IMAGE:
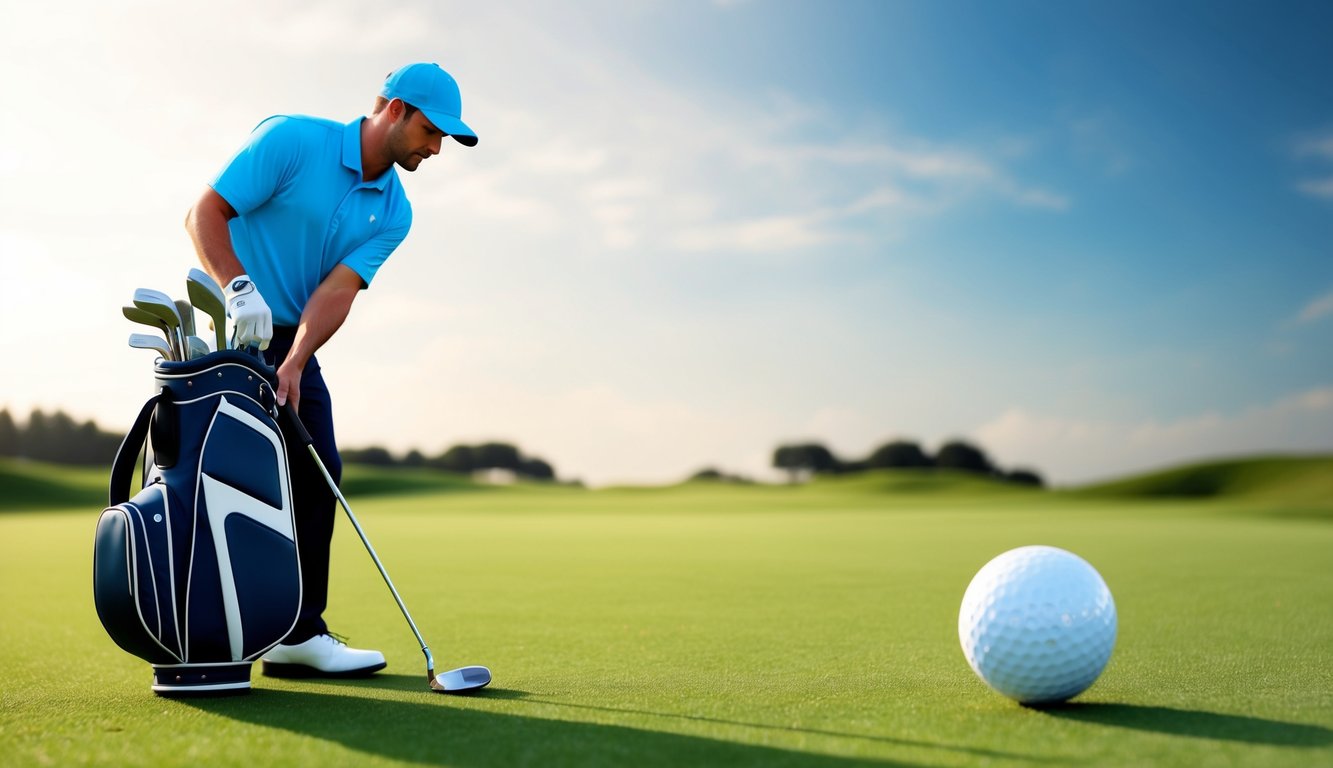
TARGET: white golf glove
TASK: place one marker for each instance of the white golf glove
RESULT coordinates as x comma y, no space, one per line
252,320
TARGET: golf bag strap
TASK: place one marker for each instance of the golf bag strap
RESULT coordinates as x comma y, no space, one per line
122,469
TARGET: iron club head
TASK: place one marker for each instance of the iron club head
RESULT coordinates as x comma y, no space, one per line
149,341
160,304
461,680
187,317
198,347
208,297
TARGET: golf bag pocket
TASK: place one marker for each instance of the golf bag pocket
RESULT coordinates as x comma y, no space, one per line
199,573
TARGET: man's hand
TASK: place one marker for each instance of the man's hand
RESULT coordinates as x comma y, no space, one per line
251,318
289,383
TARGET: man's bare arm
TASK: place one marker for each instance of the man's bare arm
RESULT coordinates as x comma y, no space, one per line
207,224
323,316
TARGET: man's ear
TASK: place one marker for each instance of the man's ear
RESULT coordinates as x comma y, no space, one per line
396,109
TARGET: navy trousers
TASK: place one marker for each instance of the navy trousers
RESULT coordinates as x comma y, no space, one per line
315,505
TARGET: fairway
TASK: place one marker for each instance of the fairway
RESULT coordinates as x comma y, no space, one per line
717,625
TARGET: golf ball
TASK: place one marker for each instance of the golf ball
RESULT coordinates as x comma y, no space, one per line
1037,624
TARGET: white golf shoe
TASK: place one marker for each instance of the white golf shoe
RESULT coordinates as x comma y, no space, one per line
321,656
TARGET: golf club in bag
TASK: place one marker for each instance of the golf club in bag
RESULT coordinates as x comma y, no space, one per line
198,574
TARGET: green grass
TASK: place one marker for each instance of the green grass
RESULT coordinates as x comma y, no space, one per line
708,624
28,485
1286,480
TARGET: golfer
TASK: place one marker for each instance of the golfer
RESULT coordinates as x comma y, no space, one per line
294,226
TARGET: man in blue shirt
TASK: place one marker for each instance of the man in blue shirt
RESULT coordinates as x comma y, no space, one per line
296,224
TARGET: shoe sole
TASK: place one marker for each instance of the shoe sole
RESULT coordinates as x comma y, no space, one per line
272,669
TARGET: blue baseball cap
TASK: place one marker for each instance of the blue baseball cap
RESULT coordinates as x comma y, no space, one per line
434,92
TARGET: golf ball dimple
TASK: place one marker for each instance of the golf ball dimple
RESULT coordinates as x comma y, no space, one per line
1037,624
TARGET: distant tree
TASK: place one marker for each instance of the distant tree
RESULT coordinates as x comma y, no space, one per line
496,456
36,436
899,454
809,457
457,459
714,475
9,434
963,456
536,469
414,458
1025,477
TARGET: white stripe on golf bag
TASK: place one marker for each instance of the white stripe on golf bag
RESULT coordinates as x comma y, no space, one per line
132,557
222,501
171,560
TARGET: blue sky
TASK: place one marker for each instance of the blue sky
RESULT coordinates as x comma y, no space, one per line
1092,237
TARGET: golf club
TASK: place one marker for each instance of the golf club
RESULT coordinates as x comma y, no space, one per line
136,315
461,680
187,317
198,347
149,341
160,304
207,296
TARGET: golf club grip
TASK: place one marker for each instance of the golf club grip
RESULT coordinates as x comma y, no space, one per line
296,422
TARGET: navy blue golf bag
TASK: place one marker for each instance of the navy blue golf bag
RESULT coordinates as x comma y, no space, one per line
198,574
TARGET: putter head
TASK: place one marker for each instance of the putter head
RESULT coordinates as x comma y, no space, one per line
461,680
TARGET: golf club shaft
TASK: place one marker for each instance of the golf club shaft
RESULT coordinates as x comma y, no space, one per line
333,486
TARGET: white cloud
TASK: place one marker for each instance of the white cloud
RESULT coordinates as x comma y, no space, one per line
1320,188
1320,147
1079,450
1317,309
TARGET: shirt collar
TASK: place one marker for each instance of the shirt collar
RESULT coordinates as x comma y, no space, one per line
352,155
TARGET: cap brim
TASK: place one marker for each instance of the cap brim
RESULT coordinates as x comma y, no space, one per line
452,126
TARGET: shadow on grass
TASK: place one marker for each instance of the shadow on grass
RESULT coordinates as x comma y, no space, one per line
442,730
987,753
1194,723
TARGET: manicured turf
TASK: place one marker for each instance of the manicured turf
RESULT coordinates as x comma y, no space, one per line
719,625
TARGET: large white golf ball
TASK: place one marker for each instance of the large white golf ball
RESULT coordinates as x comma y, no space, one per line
1037,624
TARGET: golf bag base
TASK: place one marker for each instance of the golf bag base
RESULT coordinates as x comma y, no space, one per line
180,680
198,573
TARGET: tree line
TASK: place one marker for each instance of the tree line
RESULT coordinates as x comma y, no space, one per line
60,439
814,458
460,459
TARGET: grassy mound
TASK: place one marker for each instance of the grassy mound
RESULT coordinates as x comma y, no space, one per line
361,480
31,485
1301,479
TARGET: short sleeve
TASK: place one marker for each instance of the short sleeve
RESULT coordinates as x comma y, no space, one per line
369,256
262,166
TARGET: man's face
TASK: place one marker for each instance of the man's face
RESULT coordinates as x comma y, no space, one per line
413,139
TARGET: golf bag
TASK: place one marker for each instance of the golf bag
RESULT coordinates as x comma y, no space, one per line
198,574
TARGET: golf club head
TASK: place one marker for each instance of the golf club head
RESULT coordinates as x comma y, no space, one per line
136,315
187,316
198,347
155,343
461,680
207,296
162,305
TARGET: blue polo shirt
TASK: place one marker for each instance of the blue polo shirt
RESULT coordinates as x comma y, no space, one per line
302,209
